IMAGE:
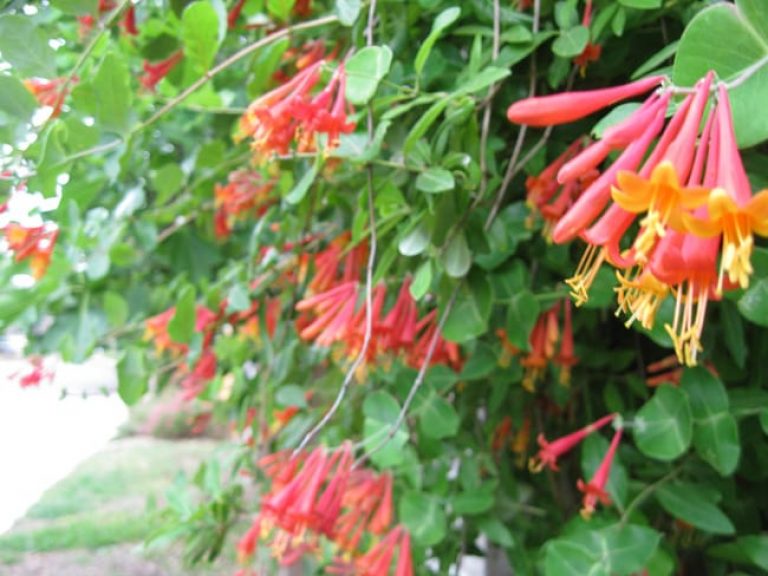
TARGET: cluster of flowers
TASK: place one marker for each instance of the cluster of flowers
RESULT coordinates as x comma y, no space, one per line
193,380
685,175
594,491
319,497
291,114
332,313
544,349
33,243
245,194
128,22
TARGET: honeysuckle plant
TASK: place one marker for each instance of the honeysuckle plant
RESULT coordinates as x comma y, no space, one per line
458,277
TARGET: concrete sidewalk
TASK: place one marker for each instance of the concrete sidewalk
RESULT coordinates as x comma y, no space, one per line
42,437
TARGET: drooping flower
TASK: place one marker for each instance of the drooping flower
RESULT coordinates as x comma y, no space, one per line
732,211
156,329
154,72
549,452
378,560
594,490
128,23
592,51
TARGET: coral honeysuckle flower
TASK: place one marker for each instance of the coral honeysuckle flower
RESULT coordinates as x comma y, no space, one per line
687,263
594,199
566,357
664,199
594,490
234,14
570,106
35,373
549,452
245,192
542,342
128,22
35,244
732,211
48,92
333,310
154,72
378,560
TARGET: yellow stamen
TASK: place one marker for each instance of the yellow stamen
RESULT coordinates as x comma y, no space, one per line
582,279
641,295
688,323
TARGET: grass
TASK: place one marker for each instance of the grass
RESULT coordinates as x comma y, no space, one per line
103,501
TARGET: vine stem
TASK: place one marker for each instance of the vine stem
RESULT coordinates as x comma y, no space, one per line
417,383
85,54
202,81
486,126
647,491
372,243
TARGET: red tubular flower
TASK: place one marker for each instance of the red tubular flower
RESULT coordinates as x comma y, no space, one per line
444,352
204,371
542,344
48,92
234,14
129,22
333,311
566,357
153,73
570,106
549,452
245,193
35,244
378,560
594,490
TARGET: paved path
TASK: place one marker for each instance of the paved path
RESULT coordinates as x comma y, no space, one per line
42,437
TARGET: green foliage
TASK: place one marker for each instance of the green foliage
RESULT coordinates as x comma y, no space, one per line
190,202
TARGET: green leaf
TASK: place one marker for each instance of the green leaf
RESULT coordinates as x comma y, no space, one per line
116,309
571,42
76,7
25,47
438,418
496,532
441,22
424,517
381,406
469,316
733,332
15,99
435,180
483,79
131,376
734,39
751,550
182,325
422,280
167,181
614,550
302,187
415,242
348,11
715,433
474,502
693,504
423,124
522,314
108,96
200,35
281,9
364,72
641,4
457,259
664,425
238,299
753,305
